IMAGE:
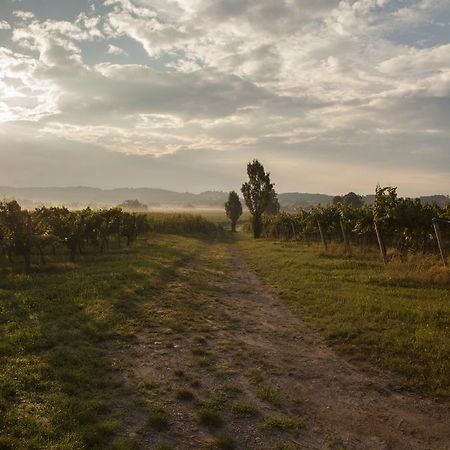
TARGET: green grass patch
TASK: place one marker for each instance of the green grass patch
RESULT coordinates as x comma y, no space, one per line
269,395
394,317
57,326
242,409
284,424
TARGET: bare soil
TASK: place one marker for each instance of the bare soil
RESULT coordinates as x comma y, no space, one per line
241,341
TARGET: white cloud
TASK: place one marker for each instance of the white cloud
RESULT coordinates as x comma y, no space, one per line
322,80
113,50
4,25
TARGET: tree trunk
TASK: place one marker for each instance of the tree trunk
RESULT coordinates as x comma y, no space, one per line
41,253
257,226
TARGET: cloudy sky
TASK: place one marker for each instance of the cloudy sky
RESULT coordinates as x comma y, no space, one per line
330,95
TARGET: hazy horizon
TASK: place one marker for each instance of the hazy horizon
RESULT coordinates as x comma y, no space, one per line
237,189
331,96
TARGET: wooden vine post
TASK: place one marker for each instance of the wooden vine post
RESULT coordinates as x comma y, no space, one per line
348,249
381,243
322,237
294,234
437,232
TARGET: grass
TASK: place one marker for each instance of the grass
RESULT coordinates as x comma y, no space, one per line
269,395
56,389
182,223
396,317
242,409
209,417
284,424
185,395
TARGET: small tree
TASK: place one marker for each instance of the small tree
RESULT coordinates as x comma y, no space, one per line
337,199
353,200
233,208
257,193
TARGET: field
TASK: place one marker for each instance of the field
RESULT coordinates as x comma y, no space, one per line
220,341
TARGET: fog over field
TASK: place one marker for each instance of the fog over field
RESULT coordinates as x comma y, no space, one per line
331,96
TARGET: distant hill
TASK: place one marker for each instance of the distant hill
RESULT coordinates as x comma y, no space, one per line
292,200
83,196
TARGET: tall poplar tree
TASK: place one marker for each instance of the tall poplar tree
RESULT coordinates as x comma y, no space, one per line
257,193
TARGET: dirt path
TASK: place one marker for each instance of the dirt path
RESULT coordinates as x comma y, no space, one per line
228,366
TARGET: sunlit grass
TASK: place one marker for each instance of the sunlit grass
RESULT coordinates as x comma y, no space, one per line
397,317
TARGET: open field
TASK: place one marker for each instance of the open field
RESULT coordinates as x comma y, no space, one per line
217,216
176,343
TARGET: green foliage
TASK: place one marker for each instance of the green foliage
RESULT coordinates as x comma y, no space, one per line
351,199
273,206
233,209
17,232
284,424
23,232
242,409
269,395
257,194
405,224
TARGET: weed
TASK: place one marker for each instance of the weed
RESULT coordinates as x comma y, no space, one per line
209,418
284,424
184,395
255,376
269,395
242,409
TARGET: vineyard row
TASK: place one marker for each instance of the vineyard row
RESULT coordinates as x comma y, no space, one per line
402,224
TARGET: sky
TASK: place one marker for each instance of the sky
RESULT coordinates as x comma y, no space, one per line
331,96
